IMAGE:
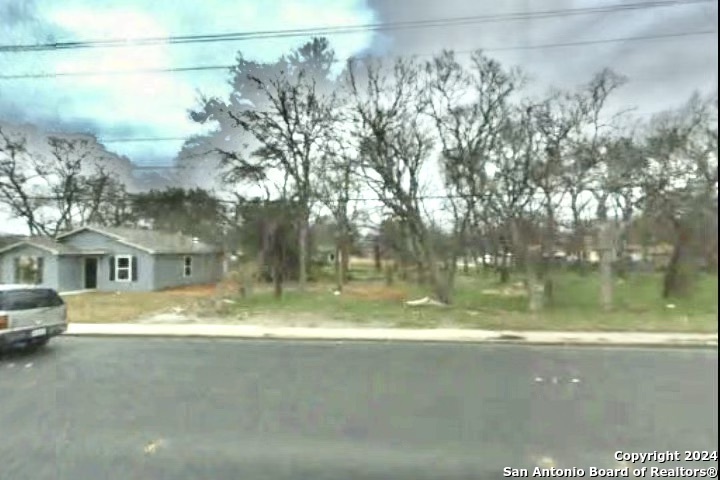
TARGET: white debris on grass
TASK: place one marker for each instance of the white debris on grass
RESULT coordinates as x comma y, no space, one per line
167,317
152,447
423,302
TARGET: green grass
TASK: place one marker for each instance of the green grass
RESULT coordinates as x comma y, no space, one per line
480,302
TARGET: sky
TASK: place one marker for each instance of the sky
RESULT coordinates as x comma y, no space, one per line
143,105
662,72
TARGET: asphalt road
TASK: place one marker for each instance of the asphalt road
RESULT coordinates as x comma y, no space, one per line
90,408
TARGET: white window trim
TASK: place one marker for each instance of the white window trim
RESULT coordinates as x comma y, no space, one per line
185,266
35,259
118,268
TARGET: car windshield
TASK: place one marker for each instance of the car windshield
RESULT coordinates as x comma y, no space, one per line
29,299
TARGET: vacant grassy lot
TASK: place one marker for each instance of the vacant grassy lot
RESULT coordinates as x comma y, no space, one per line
480,302
128,307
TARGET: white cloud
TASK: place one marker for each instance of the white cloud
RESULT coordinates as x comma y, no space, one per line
110,23
154,104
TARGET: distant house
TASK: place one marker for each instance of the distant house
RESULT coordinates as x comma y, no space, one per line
111,259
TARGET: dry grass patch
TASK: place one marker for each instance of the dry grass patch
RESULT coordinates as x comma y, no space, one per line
377,292
119,307
192,290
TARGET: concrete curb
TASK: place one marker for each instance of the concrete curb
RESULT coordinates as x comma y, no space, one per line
75,292
396,334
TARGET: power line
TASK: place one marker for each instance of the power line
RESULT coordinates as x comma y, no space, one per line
142,139
579,43
47,198
359,28
174,139
536,196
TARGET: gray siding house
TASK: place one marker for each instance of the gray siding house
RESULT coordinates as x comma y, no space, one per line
111,259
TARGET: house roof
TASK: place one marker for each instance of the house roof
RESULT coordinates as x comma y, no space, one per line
44,243
151,241
9,239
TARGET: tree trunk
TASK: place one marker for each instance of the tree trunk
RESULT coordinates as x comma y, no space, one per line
621,235
440,281
534,284
504,262
261,256
548,255
441,284
479,264
277,280
519,246
607,254
504,269
278,264
606,250
245,280
536,301
389,274
679,276
303,254
529,261
339,279
578,237
403,269
377,257
421,277
345,259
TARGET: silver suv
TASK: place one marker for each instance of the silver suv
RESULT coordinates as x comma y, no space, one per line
30,315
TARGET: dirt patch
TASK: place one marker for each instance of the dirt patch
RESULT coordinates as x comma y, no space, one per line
376,292
107,307
278,319
505,292
195,290
306,319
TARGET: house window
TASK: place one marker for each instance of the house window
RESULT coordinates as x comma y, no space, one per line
187,266
29,270
123,268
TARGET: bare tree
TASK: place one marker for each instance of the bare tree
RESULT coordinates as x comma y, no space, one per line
286,108
16,178
55,183
62,173
680,181
395,144
339,189
468,107
105,200
554,120
607,159
512,191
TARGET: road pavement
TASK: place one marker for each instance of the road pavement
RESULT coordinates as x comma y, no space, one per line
149,408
